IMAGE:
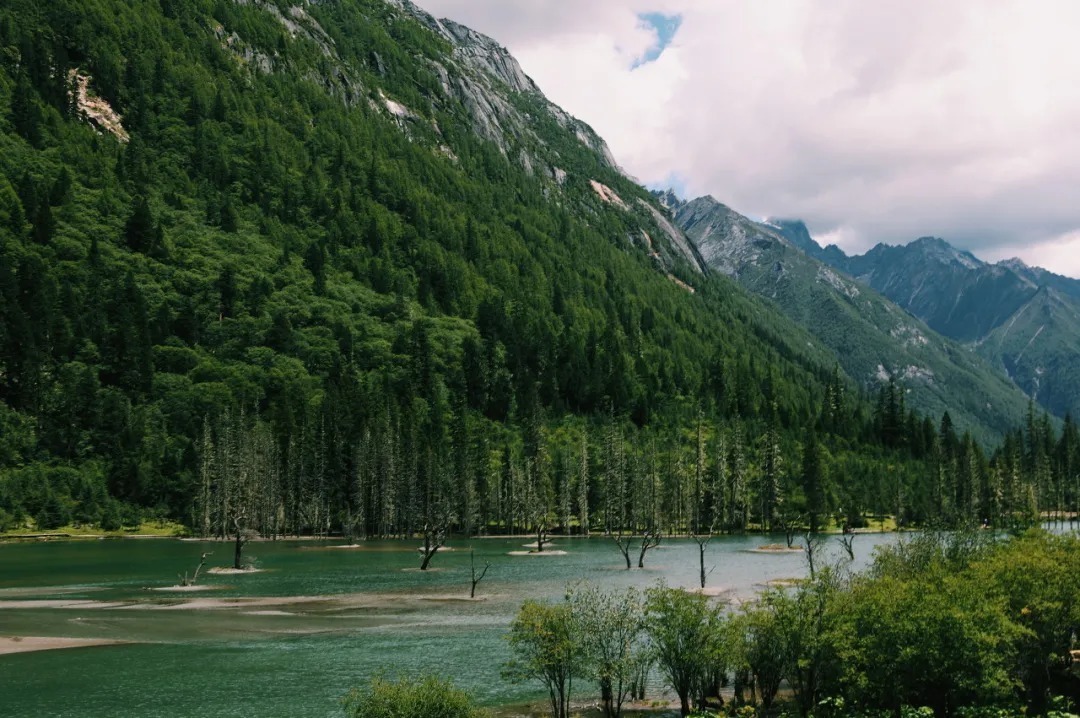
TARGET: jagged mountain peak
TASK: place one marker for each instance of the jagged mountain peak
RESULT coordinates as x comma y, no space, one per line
938,249
1015,264
669,199
796,232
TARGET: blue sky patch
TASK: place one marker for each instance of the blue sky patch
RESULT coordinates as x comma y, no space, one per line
665,27
674,181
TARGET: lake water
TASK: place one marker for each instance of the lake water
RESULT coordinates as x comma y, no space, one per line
316,621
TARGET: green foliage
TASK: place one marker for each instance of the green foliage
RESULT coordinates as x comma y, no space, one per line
686,630
546,646
1038,578
428,697
614,651
903,643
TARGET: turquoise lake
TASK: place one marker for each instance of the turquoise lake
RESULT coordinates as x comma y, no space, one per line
317,619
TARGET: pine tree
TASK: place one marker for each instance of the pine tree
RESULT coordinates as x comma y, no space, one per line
140,232
583,486
814,482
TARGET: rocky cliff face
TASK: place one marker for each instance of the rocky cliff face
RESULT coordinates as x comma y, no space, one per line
480,75
873,339
728,242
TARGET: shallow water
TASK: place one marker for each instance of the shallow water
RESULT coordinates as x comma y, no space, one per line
315,622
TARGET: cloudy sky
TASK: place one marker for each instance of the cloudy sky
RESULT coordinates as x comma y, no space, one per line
873,121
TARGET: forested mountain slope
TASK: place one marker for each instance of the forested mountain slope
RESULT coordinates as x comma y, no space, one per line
336,266
874,340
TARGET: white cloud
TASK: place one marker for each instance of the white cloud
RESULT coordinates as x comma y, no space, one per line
878,121
1061,254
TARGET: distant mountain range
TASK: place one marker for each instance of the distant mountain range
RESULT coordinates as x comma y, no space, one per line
1023,320
913,318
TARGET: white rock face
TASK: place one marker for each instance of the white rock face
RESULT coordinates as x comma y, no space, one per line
834,280
677,238
909,335
724,239
396,108
95,109
607,194
486,74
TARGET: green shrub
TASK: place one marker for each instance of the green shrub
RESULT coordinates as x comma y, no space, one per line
429,697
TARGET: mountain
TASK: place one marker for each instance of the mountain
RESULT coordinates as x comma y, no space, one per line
1023,320
873,338
341,266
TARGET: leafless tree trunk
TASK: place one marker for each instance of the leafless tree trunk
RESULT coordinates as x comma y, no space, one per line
583,487
185,581
206,477
847,541
541,535
565,500
790,523
241,538
623,542
476,579
649,540
434,538
813,544
702,543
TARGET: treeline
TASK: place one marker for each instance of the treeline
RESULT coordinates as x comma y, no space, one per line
431,464
954,624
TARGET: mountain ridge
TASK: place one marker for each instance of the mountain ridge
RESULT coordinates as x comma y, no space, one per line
874,339
988,307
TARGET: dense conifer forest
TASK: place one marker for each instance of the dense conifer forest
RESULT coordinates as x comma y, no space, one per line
238,292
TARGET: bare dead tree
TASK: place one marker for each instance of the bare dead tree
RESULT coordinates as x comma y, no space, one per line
185,581
701,530
476,579
241,535
649,540
541,535
434,538
813,544
702,541
790,522
848,541
623,541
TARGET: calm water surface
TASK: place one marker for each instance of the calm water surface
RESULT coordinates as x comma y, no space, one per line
328,618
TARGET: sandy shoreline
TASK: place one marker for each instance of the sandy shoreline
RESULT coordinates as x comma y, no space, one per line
26,644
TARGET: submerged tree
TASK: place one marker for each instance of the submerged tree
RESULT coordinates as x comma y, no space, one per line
434,537
476,579
192,580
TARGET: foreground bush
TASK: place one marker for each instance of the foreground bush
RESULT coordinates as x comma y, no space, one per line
428,697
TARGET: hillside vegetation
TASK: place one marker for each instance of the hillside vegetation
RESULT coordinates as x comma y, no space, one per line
276,268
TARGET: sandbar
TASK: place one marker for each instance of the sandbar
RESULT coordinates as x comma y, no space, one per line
26,644
536,553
